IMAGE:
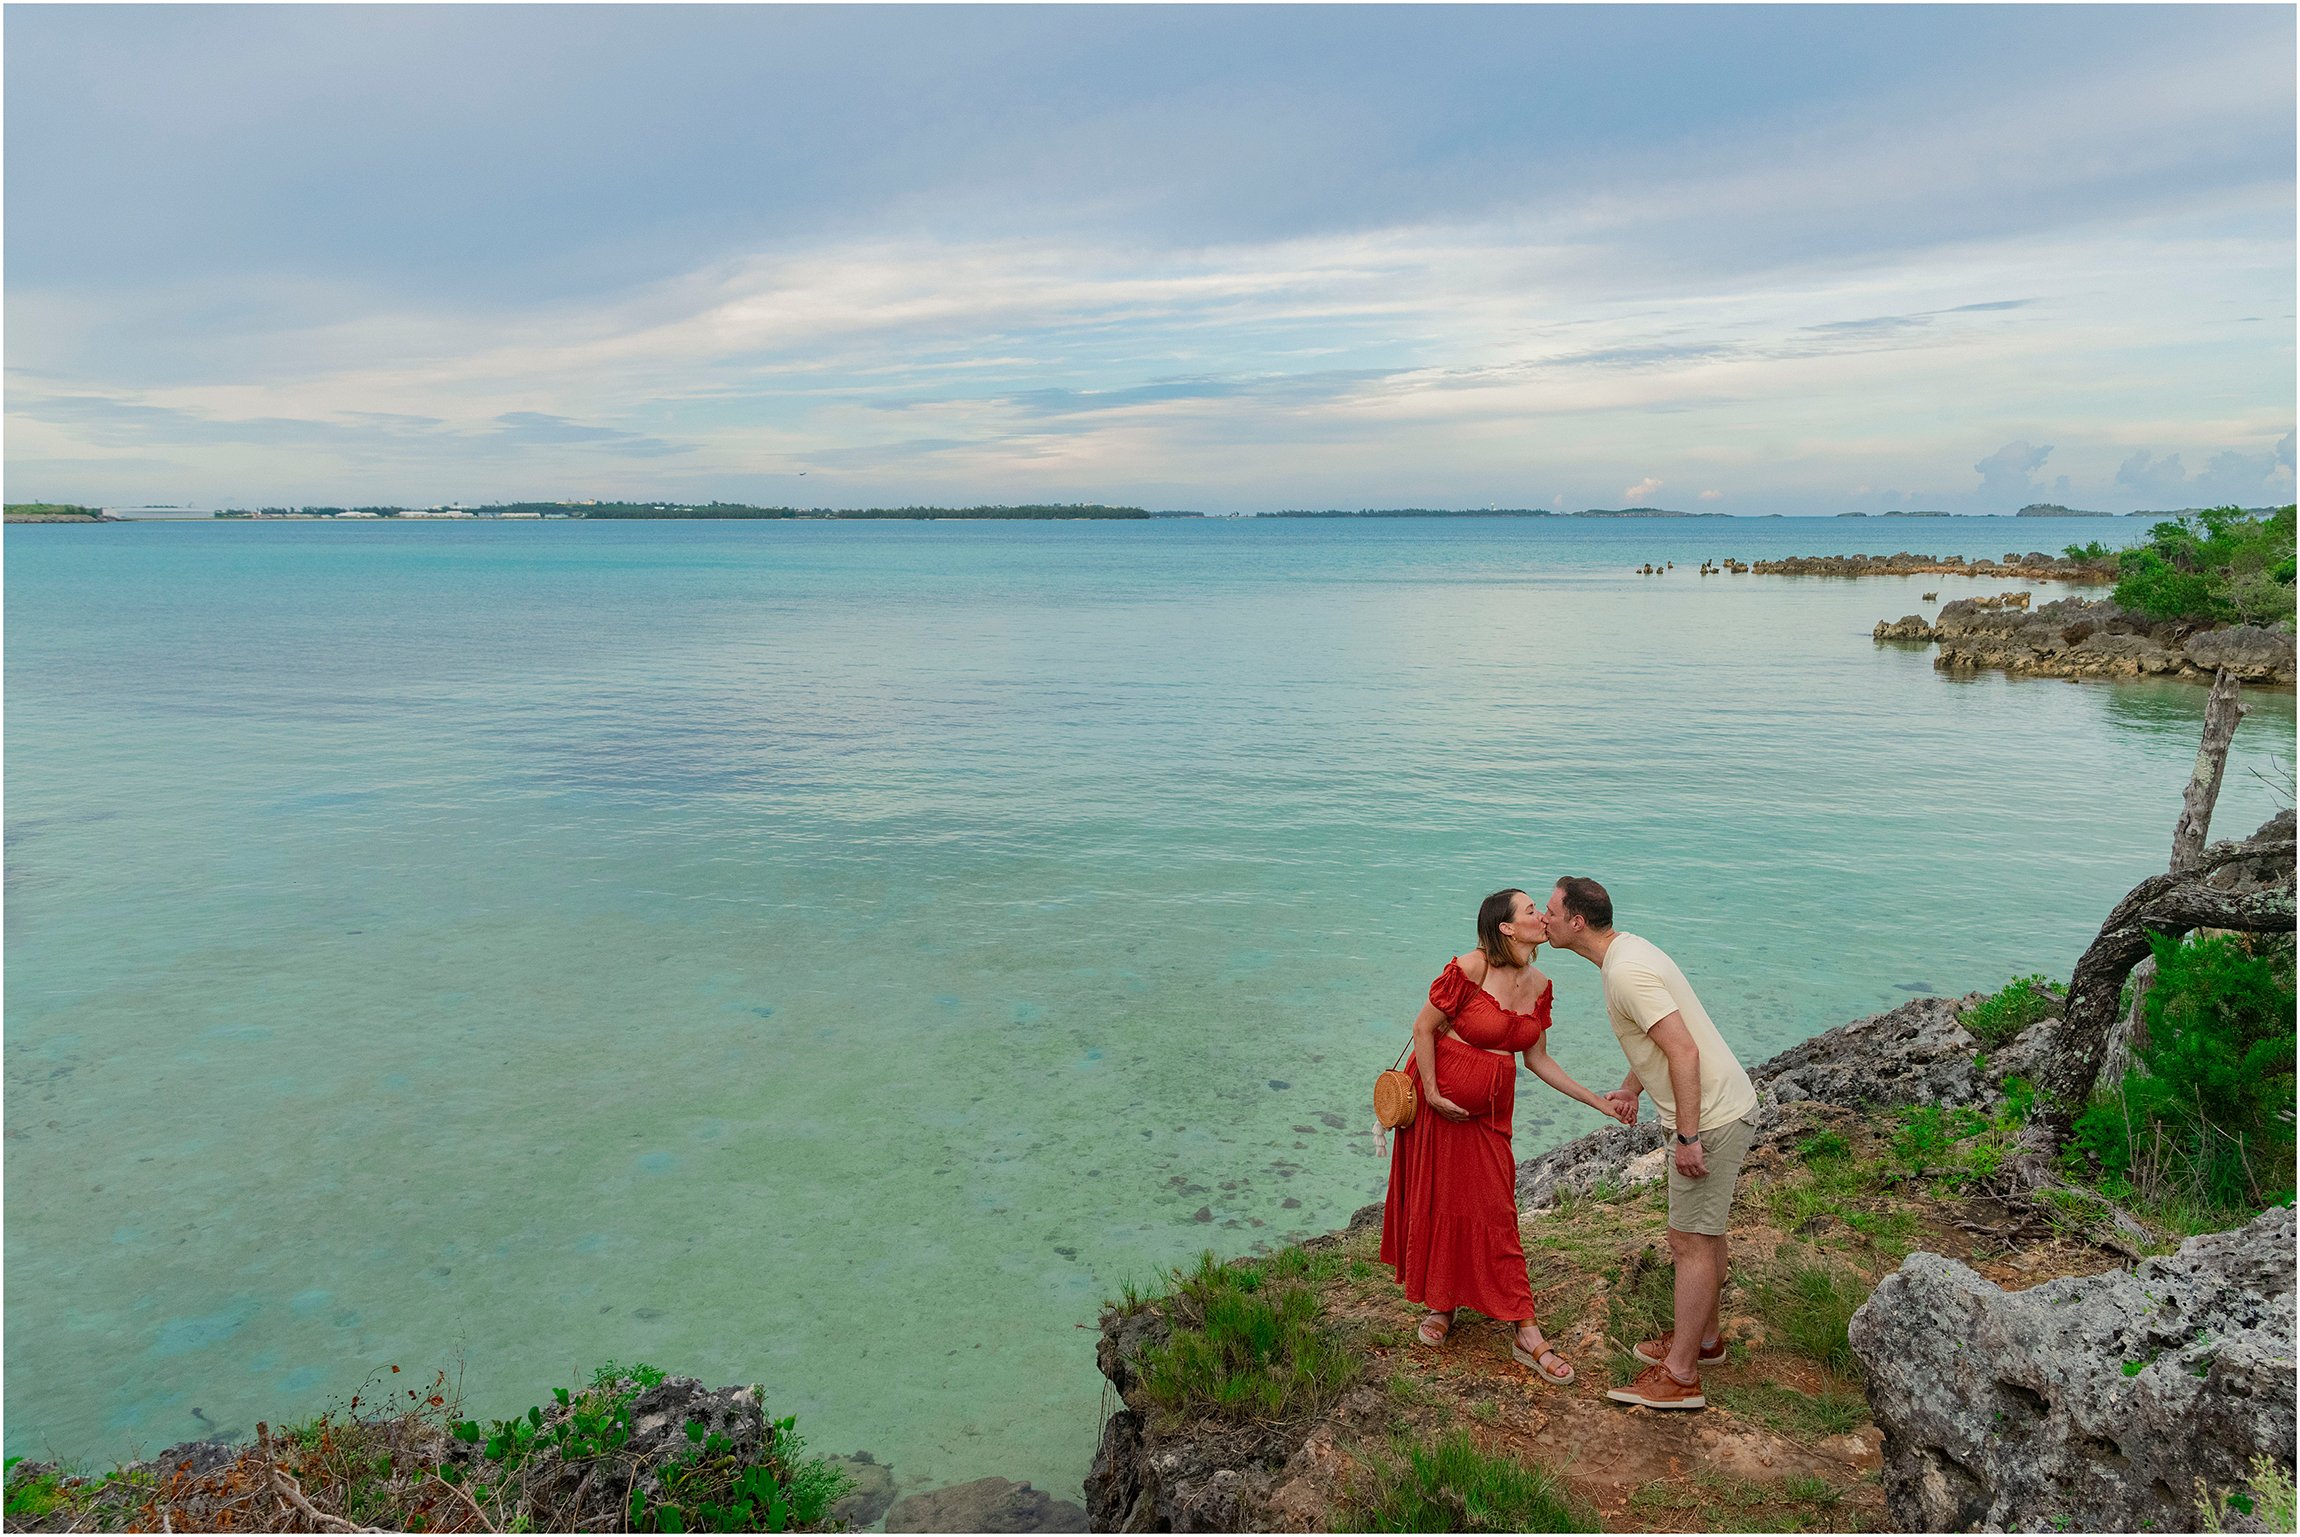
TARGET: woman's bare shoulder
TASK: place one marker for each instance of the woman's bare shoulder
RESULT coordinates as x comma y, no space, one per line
1473,966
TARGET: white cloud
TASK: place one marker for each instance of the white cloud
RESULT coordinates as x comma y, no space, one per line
1635,495
1712,496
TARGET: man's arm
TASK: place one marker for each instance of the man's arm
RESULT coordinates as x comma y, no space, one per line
1676,1043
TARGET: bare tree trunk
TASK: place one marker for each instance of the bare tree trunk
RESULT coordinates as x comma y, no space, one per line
2222,712
2170,904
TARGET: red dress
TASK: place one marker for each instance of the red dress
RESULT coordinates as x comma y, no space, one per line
1450,1223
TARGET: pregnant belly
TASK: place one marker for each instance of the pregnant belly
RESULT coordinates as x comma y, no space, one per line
1470,1077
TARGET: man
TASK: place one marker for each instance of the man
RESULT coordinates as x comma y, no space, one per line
1705,1099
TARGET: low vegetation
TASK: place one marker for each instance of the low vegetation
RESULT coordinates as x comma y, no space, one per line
2221,565
1251,1341
1715,1502
2019,1004
406,1460
1446,1483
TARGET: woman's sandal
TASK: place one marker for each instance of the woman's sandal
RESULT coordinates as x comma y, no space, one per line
1534,1358
1444,1325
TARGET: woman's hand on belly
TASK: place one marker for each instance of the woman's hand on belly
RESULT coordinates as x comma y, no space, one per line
1447,1108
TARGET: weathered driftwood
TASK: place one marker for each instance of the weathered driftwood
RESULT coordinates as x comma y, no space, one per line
2171,904
2222,712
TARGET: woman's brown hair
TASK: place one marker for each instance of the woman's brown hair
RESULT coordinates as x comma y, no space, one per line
1492,913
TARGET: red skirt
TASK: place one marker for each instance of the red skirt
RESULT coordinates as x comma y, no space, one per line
1449,1226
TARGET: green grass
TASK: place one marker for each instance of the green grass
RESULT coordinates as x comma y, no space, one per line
1715,1502
1808,1305
1831,1184
1642,1303
1785,1411
1448,1485
2019,1004
37,1497
1250,1341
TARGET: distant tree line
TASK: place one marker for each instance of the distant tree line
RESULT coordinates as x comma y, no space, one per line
743,510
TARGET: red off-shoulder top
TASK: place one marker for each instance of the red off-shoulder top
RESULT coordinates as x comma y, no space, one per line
1480,1020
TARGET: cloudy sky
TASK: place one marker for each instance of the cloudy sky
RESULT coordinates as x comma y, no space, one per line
1737,259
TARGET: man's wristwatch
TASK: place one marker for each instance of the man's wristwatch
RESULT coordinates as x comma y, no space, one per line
1685,1141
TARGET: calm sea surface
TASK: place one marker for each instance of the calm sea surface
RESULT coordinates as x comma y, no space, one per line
837,956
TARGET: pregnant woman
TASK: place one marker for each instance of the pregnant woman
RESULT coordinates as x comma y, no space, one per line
1450,1223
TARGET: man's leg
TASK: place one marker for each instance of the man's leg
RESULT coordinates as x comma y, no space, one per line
1709,1334
1700,1271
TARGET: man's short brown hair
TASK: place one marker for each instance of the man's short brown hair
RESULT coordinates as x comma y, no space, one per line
1585,899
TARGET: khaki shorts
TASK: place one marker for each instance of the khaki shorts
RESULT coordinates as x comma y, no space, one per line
1705,1205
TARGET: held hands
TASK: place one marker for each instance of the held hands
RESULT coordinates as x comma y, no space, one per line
1621,1104
1692,1159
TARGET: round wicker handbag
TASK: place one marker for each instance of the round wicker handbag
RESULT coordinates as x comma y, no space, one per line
1394,1097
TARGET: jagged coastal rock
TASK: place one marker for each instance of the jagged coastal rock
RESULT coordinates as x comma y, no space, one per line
985,1505
2035,566
2091,638
2093,1403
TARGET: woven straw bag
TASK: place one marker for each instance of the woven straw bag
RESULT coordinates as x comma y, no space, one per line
1394,1098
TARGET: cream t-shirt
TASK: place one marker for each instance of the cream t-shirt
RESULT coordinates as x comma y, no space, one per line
1644,987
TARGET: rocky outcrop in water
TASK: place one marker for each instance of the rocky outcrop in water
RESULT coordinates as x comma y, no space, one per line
2094,1404
985,1505
2035,566
2090,638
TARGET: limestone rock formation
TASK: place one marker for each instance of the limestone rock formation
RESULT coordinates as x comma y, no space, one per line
2093,1403
1907,627
2093,638
985,1505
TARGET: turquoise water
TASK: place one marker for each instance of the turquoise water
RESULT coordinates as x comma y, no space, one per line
837,956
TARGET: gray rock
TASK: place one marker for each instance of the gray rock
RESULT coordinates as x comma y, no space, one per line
1907,627
2093,1403
2253,654
1916,1054
193,1459
1579,1166
872,1493
985,1505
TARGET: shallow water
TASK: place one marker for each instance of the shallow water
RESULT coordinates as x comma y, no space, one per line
836,956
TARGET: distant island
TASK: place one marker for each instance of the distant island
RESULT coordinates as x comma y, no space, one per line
2056,510
586,509
1895,514
53,512
1488,512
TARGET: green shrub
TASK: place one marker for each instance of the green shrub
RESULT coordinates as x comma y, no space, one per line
2090,550
2219,565
2019,1004
1249,1342
2204,1121
1448,1485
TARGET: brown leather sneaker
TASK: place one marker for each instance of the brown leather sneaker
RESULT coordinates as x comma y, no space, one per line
1652,1351
1656,1389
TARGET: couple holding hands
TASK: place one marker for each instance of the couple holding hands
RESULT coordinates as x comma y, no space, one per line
1449,1225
